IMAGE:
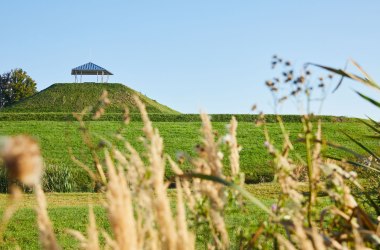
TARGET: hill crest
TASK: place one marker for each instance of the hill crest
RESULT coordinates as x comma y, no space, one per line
74,97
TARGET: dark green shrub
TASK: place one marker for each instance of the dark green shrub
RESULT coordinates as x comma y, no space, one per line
3,180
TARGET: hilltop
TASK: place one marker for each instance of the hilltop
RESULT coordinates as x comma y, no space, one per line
73,97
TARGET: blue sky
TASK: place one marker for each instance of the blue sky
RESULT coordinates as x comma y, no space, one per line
192,55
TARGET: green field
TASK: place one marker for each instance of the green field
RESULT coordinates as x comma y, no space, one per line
56,137
70,211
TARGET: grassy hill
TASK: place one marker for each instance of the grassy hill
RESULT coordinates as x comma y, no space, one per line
73,97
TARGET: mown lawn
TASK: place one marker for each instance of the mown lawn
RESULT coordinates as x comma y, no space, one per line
70,211
57,137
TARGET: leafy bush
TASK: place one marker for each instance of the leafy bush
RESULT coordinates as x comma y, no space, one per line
57,179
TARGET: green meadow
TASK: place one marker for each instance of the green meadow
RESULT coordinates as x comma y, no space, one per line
61,139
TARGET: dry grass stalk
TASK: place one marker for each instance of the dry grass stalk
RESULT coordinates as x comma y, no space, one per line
210,163
234,157
12,206
192,195
284,243
92,242
316,162
186,239
23,161
196,191
154,146
119,207
22,158
48,240
234,148
300,235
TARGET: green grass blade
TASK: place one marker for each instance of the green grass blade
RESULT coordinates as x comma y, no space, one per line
352,163
375,123
362,146
376,103
370,126
337,146
367,81
373,136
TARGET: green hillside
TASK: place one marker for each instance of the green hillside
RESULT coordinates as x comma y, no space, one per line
73,97
57,137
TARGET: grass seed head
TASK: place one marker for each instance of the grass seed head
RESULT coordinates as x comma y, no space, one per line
22,158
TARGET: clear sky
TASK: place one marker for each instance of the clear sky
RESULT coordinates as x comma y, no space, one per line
192,55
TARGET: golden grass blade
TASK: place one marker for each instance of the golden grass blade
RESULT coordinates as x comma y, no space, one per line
119,207
48,240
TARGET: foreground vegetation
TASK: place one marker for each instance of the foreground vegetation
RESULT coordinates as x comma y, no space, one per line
142,213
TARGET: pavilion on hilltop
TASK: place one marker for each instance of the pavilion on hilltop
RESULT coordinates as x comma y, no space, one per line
91,69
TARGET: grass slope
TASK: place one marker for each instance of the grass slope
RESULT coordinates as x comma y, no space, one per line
74,97
57,137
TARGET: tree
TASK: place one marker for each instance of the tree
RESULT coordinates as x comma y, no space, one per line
15,86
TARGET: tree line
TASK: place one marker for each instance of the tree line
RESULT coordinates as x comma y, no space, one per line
15,85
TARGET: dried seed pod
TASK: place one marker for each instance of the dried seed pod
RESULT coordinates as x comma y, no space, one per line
301,79
181,157
282,99
126,116
274,89
98,113
269,83
22,158
289,78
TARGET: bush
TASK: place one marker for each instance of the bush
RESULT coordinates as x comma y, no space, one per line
58,179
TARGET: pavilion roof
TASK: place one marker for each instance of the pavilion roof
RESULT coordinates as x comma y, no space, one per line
90,69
